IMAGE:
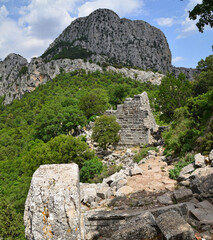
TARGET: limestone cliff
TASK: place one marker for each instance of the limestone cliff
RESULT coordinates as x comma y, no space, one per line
103,36
17,76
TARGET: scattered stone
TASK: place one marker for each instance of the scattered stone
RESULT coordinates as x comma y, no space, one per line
152,153
187,169
136,171
199,161
105,192
88,195
125,190
149,167
211,155
183,195
174,227
166,198
201,182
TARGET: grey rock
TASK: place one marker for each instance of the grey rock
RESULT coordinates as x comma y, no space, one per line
88,195
123,225
204,216
152,153
105,192
136,171
166,198
187,169
211,155
183,195
201,182
174,227
123,41
199,161
52,208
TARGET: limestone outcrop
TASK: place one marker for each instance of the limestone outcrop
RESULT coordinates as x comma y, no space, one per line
108,38
17,76
137,122
52,208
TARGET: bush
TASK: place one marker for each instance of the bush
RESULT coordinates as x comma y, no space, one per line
105,131
142,153
174,173
94,102
90,169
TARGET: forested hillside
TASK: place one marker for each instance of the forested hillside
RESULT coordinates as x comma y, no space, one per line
41,128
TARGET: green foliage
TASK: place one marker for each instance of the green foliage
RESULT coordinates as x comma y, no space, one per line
54,120
90,169
105,131
204,13
142,153
23,71
66,50
94,102
173,93
203,82
11,223
174,172
192,127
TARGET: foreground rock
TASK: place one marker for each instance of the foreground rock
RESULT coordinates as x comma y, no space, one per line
52,208
174,227
201,182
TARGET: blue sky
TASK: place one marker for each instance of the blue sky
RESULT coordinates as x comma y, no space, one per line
27,27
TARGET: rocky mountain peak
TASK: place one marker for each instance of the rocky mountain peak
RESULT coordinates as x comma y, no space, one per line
104,37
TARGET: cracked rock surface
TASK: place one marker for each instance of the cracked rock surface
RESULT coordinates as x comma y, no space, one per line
52,208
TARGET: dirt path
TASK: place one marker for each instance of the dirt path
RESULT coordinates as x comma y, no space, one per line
155,176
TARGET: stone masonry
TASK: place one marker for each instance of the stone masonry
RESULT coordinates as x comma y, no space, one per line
136,120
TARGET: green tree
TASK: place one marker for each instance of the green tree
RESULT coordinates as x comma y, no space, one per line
204,81
11,223
54,120
61,149
105,131
204,12
95,102
173,93
90,169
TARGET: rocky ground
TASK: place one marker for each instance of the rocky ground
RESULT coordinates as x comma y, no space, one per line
146,186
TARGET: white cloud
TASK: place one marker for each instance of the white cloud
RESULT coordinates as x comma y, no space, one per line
3,12
46,19
119,6
177,59
188,27
39,23
165,22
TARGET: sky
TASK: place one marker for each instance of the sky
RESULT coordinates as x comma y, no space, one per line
27,27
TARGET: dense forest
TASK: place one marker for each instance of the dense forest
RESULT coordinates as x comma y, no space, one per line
43,126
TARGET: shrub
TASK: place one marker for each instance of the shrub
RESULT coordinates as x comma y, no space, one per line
142,153
174,173
105,131
90,169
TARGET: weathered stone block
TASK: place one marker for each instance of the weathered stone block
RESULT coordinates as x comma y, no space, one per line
52,208
174,227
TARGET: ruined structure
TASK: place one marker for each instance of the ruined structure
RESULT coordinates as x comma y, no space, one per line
137,122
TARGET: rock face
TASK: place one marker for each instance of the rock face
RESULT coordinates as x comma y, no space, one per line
52,208
136,120
111,39
17,76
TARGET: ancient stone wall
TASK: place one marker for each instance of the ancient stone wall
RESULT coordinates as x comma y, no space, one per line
136,120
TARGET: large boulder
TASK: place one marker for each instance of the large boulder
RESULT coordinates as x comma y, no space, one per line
174,227
52,208
201,181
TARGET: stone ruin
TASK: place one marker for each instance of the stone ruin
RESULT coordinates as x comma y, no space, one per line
53,211
137,122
